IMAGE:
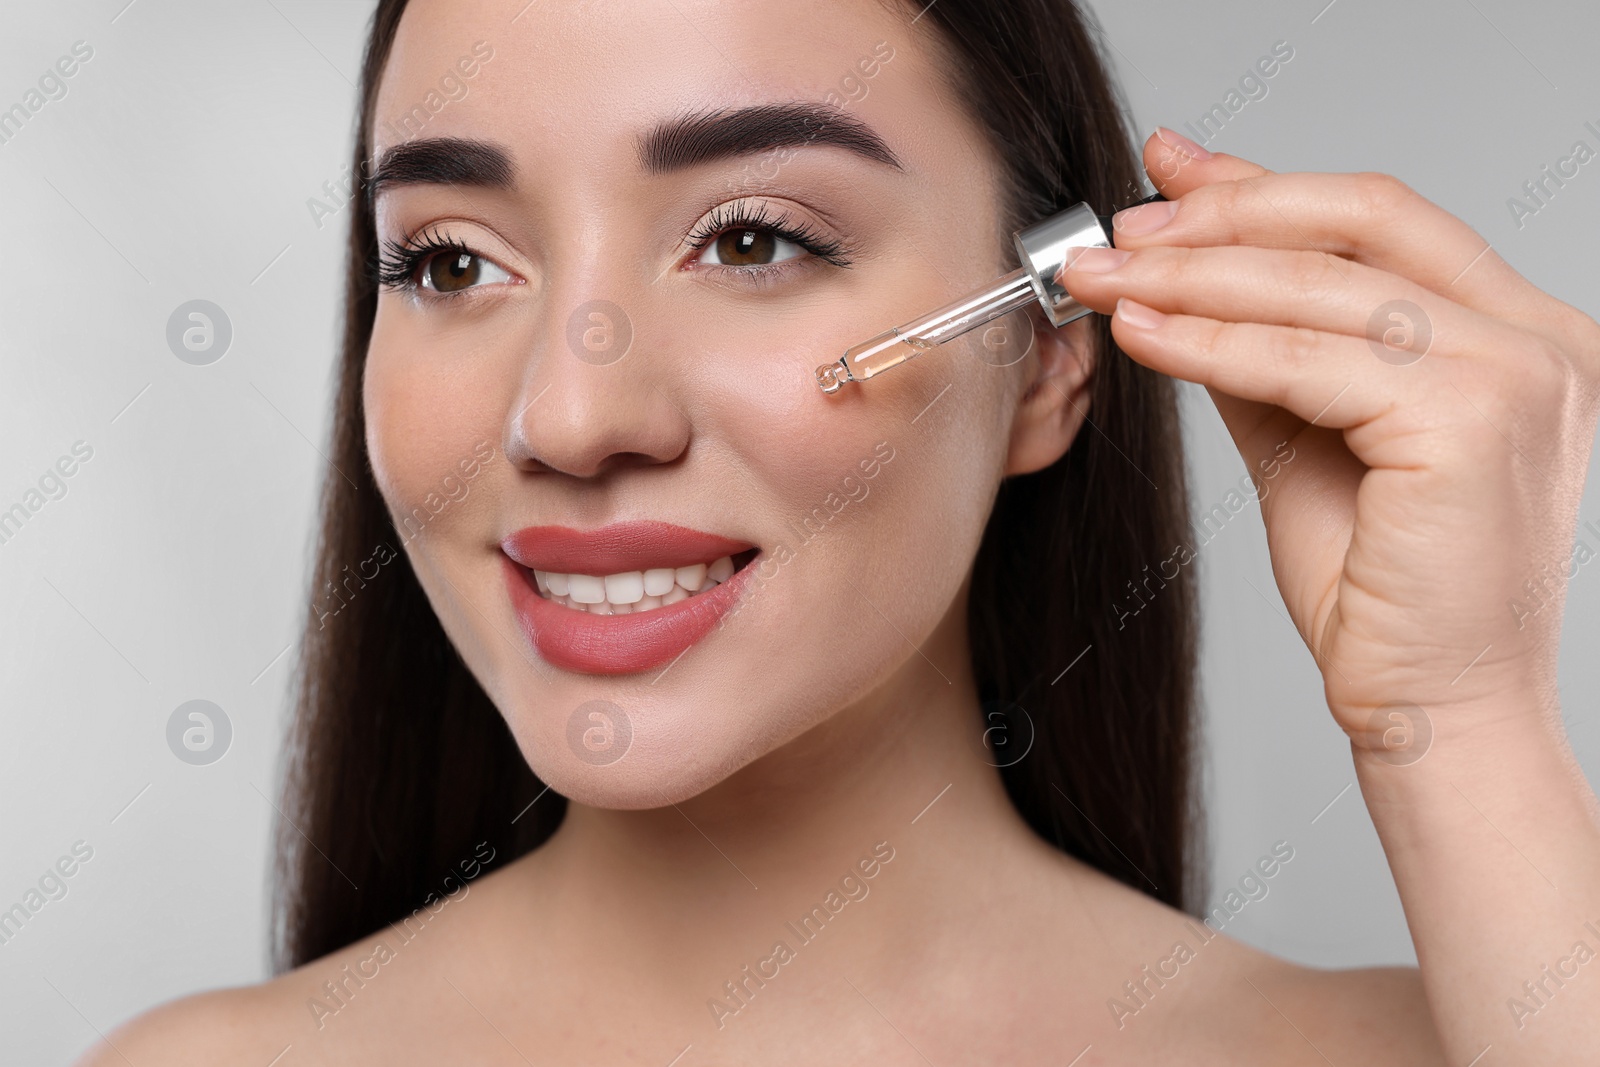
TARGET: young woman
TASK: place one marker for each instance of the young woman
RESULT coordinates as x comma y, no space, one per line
658,708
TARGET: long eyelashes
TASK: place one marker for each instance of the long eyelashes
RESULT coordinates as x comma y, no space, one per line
742,217
400,261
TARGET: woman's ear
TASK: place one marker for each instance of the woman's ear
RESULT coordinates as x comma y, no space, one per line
1055,402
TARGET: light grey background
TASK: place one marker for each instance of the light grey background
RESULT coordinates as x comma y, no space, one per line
179,166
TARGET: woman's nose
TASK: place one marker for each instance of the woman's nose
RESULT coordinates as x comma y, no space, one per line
597,400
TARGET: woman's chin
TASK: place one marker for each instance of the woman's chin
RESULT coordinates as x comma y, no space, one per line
603,761
643,785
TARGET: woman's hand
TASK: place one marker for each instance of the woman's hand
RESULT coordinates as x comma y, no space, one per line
1418,419
1439,412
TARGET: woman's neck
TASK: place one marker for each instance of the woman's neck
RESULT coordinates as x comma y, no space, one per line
724,875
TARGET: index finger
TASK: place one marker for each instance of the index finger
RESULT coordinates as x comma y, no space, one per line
1368,217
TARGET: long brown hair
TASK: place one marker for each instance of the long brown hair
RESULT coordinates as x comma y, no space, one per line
398,765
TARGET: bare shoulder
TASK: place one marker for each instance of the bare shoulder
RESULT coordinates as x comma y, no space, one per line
1185,990
1373,1015
1256,1002
367,1002
221,1026
325,1011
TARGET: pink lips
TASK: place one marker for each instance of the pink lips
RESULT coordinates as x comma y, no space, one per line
616,644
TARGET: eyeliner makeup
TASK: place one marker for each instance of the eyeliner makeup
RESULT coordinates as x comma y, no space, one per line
1043,249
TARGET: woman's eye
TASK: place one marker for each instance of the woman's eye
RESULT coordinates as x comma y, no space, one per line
748,247
452,272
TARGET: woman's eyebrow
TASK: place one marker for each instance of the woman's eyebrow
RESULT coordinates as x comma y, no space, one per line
443,161
673,144
699,137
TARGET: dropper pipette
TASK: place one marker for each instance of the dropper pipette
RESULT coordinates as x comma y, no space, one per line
1043,249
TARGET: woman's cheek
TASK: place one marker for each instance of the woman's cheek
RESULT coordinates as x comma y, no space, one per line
421,427
799,442
879,492
774,382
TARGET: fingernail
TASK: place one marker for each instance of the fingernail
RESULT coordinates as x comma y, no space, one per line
1181,144
1096,260
1144,218
1138,315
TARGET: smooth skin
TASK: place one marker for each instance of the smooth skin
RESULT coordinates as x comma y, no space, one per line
779,751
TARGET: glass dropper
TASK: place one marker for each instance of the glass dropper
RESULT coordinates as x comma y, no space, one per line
1043,249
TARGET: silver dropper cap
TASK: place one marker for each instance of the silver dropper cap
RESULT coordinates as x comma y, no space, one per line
1043,249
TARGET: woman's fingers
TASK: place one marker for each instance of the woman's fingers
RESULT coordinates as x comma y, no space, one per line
1326,379
1371,218
1394,416
1177,165
1306,480
1291,287
1298,330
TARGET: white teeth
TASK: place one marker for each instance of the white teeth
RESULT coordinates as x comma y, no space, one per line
586,589
632,591
625,588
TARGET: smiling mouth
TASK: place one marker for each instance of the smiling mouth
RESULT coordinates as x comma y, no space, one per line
636,592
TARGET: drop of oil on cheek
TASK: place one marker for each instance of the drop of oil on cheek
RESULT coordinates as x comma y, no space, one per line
777,384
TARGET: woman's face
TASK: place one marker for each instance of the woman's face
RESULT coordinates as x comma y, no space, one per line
623,326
